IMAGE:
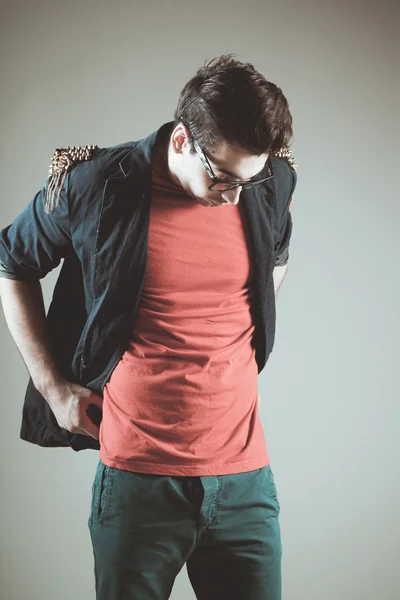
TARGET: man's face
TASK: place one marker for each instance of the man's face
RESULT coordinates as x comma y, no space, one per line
227,161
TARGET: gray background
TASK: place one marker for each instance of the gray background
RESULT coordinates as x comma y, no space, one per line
92,72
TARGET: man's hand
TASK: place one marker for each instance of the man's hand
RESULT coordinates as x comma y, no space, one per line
69,403
25,315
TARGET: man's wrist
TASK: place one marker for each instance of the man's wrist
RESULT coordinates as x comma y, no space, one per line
49,382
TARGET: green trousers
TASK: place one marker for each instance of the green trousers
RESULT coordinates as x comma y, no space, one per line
225,528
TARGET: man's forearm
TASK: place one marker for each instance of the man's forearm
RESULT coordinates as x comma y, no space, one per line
278,275
24,312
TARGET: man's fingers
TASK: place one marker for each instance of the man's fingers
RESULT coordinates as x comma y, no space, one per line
97,400
91,430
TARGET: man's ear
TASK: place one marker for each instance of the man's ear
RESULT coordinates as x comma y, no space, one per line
180,139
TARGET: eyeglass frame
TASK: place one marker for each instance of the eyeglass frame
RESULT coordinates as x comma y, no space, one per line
247,184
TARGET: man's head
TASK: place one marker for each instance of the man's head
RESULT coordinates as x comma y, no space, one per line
227,121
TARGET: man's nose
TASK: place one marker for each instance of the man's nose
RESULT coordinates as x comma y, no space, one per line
232,196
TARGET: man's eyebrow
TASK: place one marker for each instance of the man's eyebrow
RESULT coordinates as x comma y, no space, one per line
237,178
227,172
220,169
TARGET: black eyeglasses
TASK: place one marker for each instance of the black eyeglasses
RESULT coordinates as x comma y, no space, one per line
220,185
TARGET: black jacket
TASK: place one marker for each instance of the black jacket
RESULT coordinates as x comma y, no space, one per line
100,228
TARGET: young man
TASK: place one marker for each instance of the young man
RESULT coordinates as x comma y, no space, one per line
162,317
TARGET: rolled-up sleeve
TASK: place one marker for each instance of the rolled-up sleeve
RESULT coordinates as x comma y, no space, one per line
285,228
36,241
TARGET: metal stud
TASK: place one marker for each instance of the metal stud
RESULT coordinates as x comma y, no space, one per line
62,161
286,153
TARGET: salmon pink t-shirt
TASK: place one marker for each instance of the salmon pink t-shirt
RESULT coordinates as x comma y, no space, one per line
183,399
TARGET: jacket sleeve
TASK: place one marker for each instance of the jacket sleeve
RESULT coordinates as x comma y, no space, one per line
285,228
36,241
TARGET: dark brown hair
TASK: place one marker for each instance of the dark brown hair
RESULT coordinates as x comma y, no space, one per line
229,100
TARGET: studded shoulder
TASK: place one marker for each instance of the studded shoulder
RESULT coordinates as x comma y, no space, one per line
63,160
286,153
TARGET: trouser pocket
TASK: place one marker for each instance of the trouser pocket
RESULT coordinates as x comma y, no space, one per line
101,493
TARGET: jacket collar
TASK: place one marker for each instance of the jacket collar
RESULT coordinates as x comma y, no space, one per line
142,153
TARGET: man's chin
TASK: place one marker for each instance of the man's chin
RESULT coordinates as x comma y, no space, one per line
205,201
210,201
